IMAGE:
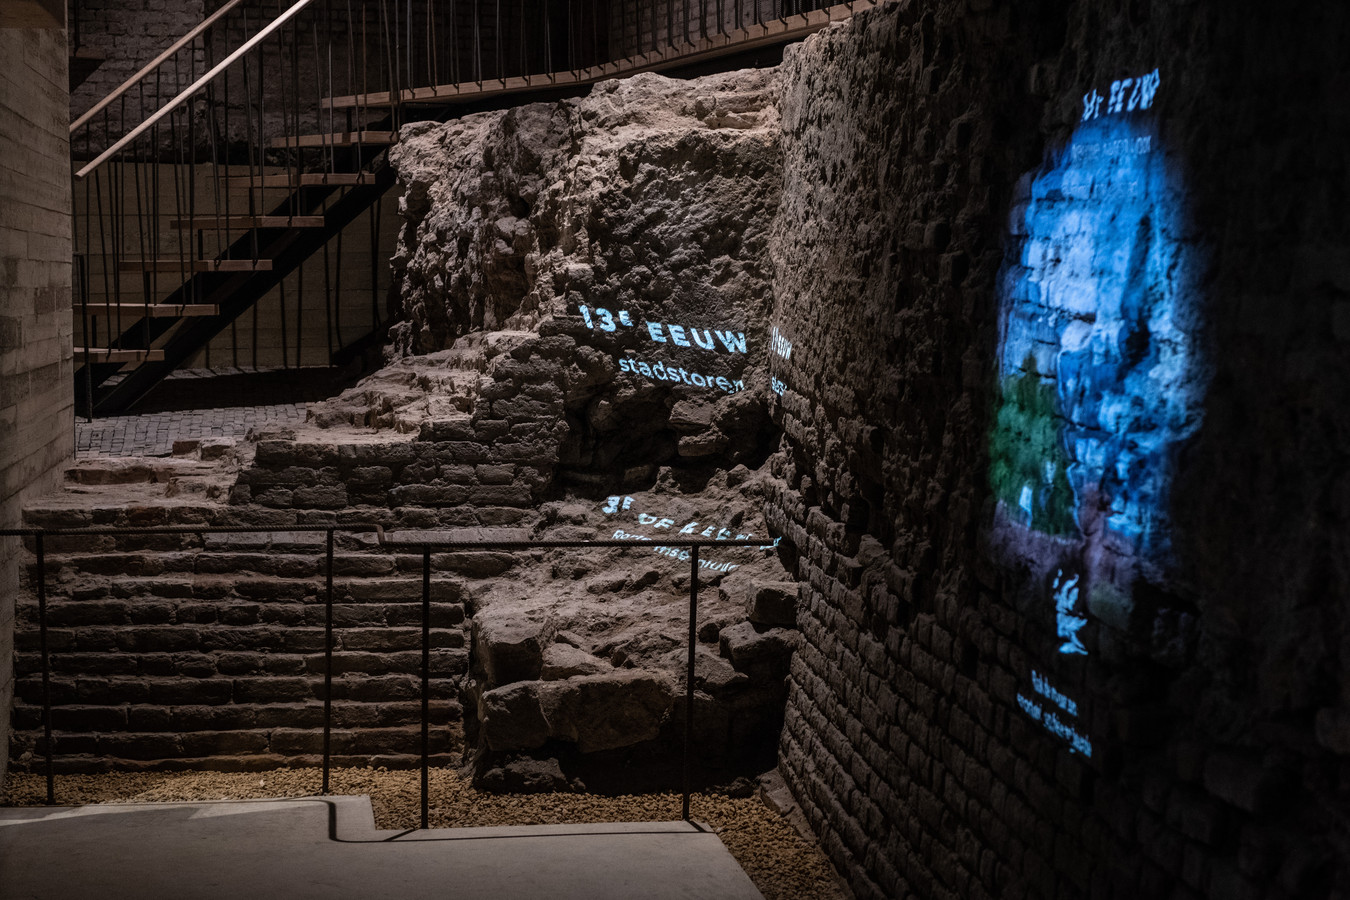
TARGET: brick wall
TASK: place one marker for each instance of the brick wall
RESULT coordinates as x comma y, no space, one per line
36,416
1200,736
128,34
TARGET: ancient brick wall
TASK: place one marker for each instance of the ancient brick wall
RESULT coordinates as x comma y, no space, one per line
128,34
962,722
35,359
207,652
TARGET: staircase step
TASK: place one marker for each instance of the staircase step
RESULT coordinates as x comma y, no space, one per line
79,719
196,265
307,179
272,747
337,139
106,355
153,310
243,223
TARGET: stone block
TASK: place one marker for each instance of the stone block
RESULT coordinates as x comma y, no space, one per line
509,646
773,603
501,495
607,711
746,645
510,718
564,661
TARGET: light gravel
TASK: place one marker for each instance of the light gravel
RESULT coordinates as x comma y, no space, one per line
782,864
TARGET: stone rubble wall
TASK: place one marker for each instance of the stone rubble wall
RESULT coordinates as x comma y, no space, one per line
620,231
1208,715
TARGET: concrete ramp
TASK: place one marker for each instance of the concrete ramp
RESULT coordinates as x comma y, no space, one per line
328,847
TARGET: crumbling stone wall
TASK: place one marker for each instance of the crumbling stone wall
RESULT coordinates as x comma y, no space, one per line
581,289
1198,734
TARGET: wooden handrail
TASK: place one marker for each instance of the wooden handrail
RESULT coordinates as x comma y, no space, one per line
195,87
154,64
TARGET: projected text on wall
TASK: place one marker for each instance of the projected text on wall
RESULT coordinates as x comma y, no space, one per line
1098,376
691,529
669,337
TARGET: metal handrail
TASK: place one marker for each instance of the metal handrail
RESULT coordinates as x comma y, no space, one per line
426,544
154,64
196,86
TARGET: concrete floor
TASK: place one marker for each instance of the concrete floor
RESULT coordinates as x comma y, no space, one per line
328,847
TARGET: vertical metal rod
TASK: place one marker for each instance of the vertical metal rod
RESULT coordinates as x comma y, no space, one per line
328,667
374,265
689,677
299,304
337,294
426,672
46,667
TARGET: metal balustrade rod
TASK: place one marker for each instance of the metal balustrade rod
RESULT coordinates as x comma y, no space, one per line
454,43
422,538
689,677
299,309
478,47
374,268
426,676
328,664
337,291
281,301
501,60
328,302
46,668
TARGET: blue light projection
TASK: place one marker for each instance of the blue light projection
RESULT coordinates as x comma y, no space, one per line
1099,376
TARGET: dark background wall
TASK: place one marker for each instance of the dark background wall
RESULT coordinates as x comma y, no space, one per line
1213,695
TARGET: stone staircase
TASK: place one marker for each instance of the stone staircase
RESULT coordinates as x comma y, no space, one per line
206,651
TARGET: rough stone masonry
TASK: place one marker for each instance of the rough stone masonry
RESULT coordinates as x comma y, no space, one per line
961,722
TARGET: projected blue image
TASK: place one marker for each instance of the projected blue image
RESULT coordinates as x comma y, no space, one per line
1098,375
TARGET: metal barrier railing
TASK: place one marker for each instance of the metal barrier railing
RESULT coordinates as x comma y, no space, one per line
425,545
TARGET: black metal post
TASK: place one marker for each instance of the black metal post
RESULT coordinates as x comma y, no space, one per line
328,667
46,667
689,679
426,671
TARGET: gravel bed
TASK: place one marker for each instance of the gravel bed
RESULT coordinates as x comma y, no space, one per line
782,864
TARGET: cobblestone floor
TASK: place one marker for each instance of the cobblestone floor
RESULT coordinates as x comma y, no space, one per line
153,434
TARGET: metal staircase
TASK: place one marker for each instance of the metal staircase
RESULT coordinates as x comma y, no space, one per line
251,144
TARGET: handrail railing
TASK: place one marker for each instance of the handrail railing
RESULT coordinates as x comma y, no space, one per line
425,544
195,87
154,64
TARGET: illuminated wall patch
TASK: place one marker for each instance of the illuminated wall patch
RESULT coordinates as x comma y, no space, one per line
1098,378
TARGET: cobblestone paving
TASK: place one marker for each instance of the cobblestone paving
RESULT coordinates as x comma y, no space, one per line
153,434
